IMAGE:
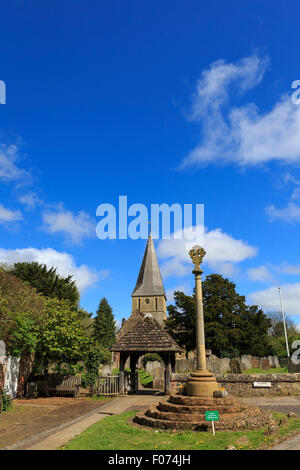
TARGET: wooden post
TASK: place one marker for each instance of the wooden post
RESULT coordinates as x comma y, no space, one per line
133,362
121,373
168,371
173,362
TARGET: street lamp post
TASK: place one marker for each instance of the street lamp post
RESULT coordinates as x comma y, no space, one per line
284,324
201,383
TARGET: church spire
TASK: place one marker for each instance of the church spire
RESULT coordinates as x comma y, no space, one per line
149,282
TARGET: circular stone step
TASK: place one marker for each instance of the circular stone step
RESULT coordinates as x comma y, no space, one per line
198,401
174,408
232,422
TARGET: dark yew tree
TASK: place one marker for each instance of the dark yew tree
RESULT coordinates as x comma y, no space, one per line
231,327
46,281
104,325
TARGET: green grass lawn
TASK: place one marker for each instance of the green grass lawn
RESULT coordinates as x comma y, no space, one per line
145,377
116,433
278,370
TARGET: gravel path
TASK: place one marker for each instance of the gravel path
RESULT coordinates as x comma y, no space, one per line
32,416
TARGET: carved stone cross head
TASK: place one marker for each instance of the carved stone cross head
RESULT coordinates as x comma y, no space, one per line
197,253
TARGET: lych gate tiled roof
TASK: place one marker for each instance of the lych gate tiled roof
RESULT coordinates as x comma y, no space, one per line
129,323
146,336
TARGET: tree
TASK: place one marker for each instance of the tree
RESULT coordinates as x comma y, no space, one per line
46,281
104,325
97,355
181,322
231,327
22,315
63,338
276,333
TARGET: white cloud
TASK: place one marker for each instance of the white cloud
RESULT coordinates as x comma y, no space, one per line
182,288
222,253
289,269
268,299
290,213
75,227
261,273
30,200
6,215
288,178
65,264
9,171
241,135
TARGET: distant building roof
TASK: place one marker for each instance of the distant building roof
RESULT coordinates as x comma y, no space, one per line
146,335
149,282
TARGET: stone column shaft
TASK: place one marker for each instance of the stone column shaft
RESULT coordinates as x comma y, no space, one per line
200,335
201,383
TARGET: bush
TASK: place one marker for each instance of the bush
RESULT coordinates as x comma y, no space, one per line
6,404
96,356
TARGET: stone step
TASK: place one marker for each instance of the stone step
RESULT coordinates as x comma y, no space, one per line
240,421
144,420
154,412
174,408
199,401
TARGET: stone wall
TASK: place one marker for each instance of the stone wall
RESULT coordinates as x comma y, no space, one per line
241,385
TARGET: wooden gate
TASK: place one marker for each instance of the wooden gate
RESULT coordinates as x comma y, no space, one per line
107,385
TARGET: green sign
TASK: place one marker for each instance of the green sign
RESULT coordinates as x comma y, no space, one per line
212,416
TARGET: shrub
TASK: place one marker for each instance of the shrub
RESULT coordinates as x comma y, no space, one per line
6,404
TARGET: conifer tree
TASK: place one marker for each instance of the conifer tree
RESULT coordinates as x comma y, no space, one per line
104,325
231,327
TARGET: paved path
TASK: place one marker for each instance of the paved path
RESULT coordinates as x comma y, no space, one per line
280,404
291,444
55,438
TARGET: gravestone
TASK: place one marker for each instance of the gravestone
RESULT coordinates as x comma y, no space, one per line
255,362
235,365
265,363
246,362
214,364
158,375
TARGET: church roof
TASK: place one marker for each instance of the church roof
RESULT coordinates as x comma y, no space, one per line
149,282
147,335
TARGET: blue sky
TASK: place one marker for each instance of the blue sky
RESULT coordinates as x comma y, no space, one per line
165,102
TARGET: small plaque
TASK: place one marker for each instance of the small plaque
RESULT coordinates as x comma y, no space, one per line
212,415
262,384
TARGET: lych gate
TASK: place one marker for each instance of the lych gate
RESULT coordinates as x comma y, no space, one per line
144,331
146,336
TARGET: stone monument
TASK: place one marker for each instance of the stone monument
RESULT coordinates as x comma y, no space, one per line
187,412
202,383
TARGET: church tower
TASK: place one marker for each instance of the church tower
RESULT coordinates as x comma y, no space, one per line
149,294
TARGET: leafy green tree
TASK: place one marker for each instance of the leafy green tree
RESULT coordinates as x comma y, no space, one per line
276,333
22,315
231,327
46,281
63,339
104,325
181,322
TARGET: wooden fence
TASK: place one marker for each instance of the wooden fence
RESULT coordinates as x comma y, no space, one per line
108,385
